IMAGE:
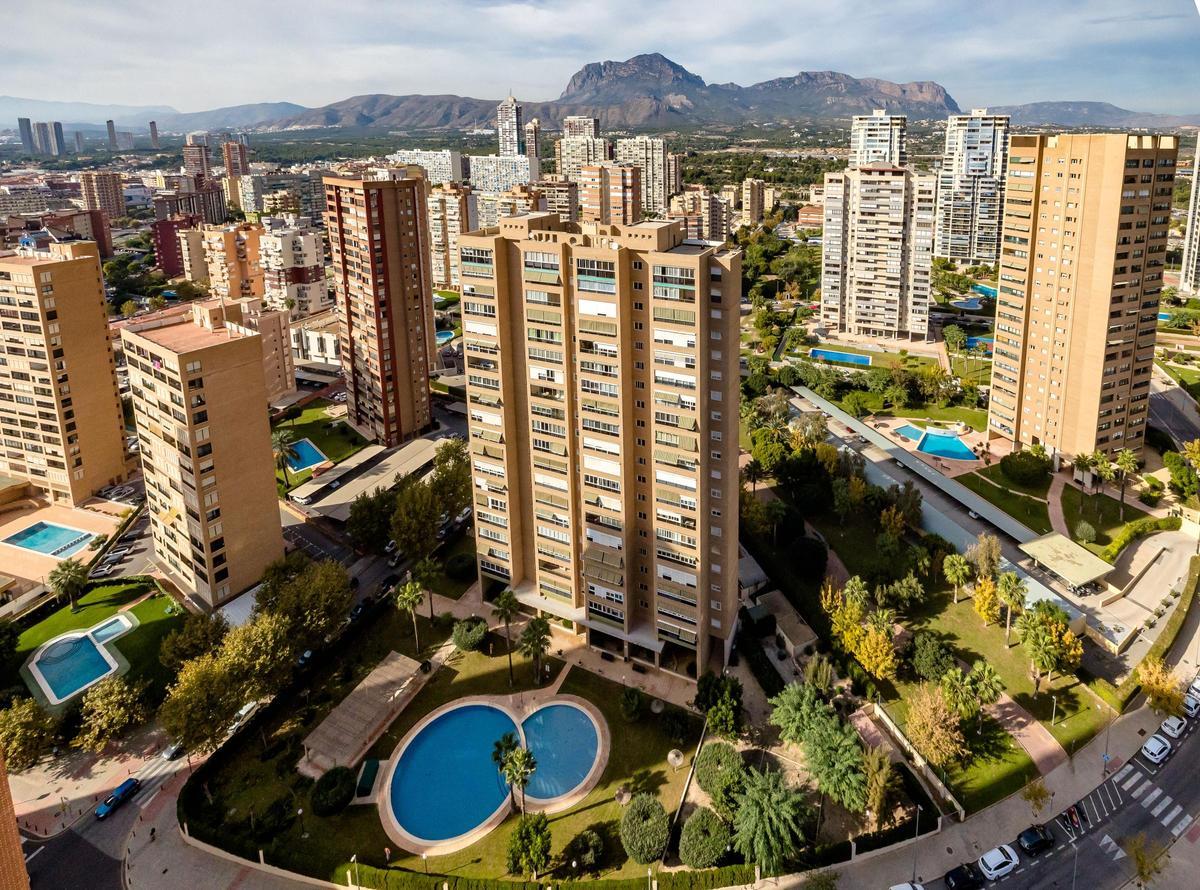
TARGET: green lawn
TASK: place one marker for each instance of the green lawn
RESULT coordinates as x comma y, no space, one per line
975,418
972,370
337,444
1032,513
445,585
1101,511
158,616
853,541
996,474
1188,378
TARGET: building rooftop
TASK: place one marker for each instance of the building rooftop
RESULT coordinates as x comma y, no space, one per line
1073,563
186,337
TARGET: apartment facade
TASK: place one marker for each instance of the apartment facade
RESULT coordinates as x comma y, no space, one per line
573,153
971,188
102,191
237,163
440,166
878,138
498,173
168,251
602,384
509,128
580,125
877,251
703,213
232,256
291,255
198,401
752,201
379,241
453,210
610,194
197,163
60,413
533,148
1189,276
561,196
650,156
1083,248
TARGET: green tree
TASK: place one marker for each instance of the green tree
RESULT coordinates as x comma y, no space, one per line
832,752
259,655
415,520
753,473
1037,795
1147,858
768,825
10,636
1012,590
201,704
157,302
501,749
284,449
67,580
957,691
933,727
534,643
26,733
1164,690
985,683
409,597
987,603
954,337
931,658
957,570
313,603
882,785
506,608
1126,465
721,774
519,767
1048,640
425,573
129,308
984,555
109,709
529,845
370,520
704,839
452,475
856,403
644,828
201,632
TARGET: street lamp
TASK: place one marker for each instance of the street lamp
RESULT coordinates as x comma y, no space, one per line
354,859
300,814
916,834
1053,709
1075,868
425,859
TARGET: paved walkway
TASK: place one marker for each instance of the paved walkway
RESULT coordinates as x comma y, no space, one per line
1039,743
1058,521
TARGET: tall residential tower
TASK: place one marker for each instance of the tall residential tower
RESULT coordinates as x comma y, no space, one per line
878,138
971,188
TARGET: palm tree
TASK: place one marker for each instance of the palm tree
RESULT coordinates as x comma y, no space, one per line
986,684
896,395
408,599
67,579
754,472
1127,465
534,642
1082,463
501,749
425,573
768,827
505,609
281,444
957,570
1012,589
519,767
882,620
775,511
956,687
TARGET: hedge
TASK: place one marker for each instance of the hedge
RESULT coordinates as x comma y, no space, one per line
333,791
708,879
1118,697
645,828
1139,528
704,839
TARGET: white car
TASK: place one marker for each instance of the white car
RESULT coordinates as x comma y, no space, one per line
1191,705
1173,726
391,547
998,862
907,886
104,571
1156,749
1195,688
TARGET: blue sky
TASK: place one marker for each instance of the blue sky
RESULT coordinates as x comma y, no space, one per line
1141,54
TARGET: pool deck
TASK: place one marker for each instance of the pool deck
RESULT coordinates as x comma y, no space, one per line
33,567
946,466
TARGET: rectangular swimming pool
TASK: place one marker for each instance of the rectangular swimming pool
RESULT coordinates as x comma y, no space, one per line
50,539
305,455
833,355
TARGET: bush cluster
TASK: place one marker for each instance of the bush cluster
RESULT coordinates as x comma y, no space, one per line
461,567
704,839
333,791
721,774
1139,528
1025,467
644,828
468,634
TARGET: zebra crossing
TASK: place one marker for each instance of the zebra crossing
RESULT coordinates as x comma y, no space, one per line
1137,786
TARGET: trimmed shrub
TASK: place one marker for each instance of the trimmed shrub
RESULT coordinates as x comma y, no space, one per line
1025,467
1085,532
1150,498
333,791
931,659
1139,528
586,849
461,567
704,839
675,725
720,773
468,634
644,828
631,704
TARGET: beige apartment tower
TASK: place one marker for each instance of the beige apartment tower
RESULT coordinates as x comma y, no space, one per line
60,414
379,241
610,194
453,210
13,874
103,191
231,254
1083,243
199,400
602,382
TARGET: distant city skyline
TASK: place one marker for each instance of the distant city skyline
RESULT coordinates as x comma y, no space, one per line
1022,51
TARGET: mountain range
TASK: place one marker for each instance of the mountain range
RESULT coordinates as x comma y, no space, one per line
647,91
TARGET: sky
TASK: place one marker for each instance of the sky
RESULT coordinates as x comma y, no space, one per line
1139,54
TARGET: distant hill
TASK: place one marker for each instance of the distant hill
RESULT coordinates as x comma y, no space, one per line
232,117
1093,114
13,107
85,115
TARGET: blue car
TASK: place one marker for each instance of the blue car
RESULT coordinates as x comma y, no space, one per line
124,792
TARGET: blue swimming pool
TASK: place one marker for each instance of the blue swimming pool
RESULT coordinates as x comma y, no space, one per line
444,337
909,431
563,740
847,358
985,342
985,289
70,664
1164,316
942,443
968,303
50,539
110,629
305,454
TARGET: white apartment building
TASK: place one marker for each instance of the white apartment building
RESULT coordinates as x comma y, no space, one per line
971,188
498,173
878,138
651,157
573,153
292,258
877,251
440,166
1189,277
574,125
509,129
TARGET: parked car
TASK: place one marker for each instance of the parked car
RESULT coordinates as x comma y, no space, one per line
104,570
117,554
390,548
1035,839
305,658
395,560
907,886
1173,726
123,792
1156,749
964,877
463,516
1191,705
972,514
245,713
359,610
172,751
998,862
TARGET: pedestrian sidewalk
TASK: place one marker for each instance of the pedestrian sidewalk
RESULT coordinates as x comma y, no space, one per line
1058,520
1038,741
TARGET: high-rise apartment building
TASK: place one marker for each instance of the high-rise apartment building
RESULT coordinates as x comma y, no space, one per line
577,125
602,387
232,256
703,213
25,126
291,255
60,414
971,188
878,138
610,194
1189,276
509,128
752,201
561,196
78,142
168,253
154,143
41,138
191,255
674,174
196,162
112,135
379,242
208,201
498,173
103,191
877,251
13,874
1082,252
651,157
572,153
198,401
453,210
237,163
533,148
439,166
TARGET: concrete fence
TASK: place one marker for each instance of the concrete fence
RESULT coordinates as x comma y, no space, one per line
927,772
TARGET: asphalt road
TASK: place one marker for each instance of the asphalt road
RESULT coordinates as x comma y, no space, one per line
1172,410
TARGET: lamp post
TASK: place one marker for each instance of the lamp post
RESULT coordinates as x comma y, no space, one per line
649,879
300,814
916,834
354,859
425,860
1107,729
1053,709
1075,868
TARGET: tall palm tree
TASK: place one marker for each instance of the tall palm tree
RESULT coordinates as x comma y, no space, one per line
501,749
956,687
1082,463
505,609
986,684
425,572
534,643
519,767
67,579
408,599
1012,589
281,444
775,511
957,570
1127,465
768,828
754,472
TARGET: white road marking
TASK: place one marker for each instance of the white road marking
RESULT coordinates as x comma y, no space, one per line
1095,812
1151,797
1141,788
1123,773
34,853
1170,817
1181,825
1162,805
1133,780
